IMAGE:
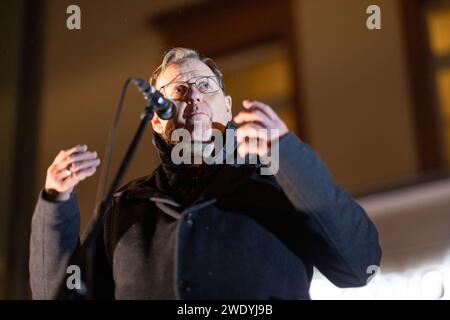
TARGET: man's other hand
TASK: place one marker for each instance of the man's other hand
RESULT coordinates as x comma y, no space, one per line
259,127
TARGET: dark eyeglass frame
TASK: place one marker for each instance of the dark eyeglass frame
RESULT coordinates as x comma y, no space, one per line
194,83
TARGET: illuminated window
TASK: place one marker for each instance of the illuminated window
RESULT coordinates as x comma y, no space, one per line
438,23
438,19
261,72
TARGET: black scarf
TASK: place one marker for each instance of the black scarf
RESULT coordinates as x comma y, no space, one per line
185,182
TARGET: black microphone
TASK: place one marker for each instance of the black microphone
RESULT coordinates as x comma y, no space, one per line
165,108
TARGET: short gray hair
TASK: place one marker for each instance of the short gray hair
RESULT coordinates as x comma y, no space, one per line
179,55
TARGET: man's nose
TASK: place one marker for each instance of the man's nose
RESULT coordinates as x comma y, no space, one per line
194,95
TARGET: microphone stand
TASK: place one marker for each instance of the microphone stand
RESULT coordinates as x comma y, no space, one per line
84,256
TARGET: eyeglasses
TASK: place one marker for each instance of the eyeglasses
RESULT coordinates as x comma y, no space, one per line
177,90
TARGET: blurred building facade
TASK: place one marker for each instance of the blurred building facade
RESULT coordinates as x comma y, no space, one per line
375,104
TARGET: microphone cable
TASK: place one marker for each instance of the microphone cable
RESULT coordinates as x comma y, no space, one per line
110,144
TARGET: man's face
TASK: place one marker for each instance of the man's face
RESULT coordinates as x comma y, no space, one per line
197,112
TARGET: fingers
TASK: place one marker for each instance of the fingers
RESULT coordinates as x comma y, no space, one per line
253,119
253,138
72,161
61,175
68,152
252,130
79,176
255,115
248,104
260,126
253,145
74,179
77,167
80,165
70,167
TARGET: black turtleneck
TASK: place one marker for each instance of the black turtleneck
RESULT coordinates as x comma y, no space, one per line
185,182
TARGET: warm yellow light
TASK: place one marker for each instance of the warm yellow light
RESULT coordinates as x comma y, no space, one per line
443,88
439,30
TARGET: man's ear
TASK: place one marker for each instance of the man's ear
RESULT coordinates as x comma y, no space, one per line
228,104
156,124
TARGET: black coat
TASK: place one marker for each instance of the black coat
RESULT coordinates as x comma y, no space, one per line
248,236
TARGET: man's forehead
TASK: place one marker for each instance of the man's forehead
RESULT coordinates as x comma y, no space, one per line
184,71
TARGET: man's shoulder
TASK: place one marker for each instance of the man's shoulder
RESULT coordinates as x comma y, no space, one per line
250,178
261,179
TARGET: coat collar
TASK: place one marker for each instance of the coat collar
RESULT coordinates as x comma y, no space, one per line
227,179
